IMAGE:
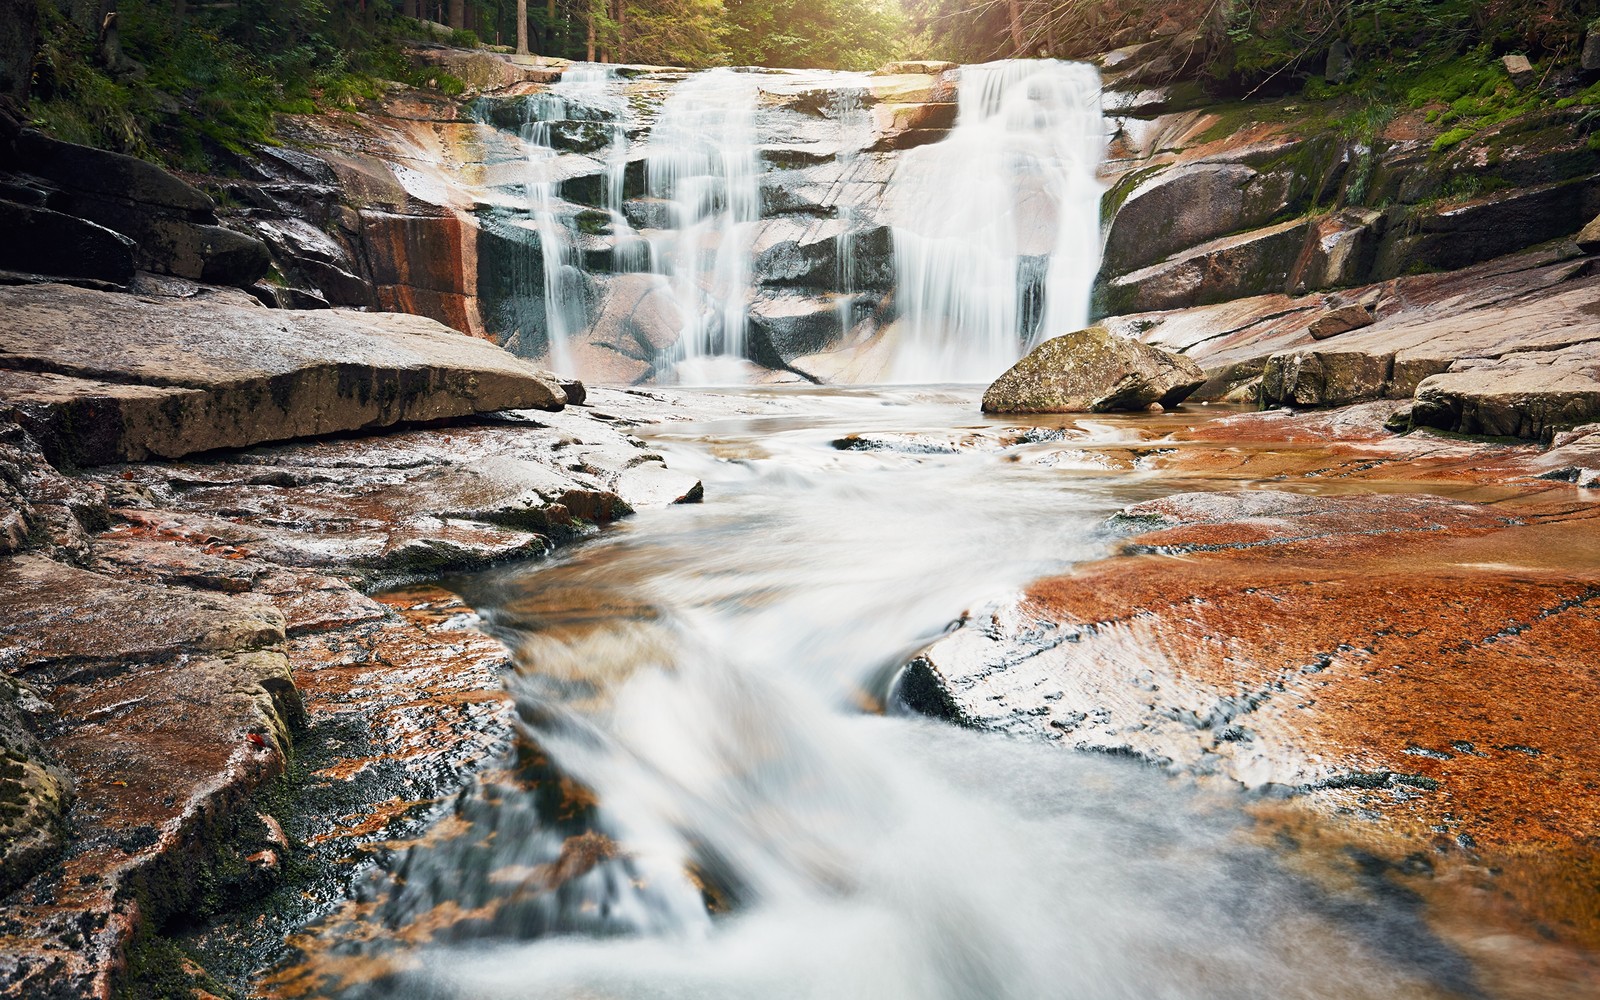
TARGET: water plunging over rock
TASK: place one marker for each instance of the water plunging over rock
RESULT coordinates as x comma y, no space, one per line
702,157
996,228
761,203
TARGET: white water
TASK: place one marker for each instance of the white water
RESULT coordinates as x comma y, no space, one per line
702,669
702,156
583,87
1002,214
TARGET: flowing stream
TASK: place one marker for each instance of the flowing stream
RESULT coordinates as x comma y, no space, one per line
719,798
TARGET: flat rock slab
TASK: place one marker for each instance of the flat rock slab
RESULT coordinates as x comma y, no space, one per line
169,377
1381,654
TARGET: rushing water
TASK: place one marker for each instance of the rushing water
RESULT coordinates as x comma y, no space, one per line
703,158
750,826
997,228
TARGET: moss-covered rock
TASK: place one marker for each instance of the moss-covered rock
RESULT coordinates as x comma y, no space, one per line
1093,370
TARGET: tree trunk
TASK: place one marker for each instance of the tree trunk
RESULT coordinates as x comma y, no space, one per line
1019,40
409,8
590,20
458,14
550,28
522,27
622,30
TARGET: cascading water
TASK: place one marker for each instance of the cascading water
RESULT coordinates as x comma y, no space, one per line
702,156
582,91
996,229
854,136
709,812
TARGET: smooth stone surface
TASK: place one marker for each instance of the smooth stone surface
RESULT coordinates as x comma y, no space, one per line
168,377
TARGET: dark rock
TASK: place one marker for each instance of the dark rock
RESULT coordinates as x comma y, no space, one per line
1234,267
1093,370
40,241
788,326
1502,223
83,170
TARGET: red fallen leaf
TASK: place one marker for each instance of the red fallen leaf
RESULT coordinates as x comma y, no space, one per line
127,475
255,739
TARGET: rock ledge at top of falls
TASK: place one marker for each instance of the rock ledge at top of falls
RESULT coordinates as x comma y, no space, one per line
1093,370
100,377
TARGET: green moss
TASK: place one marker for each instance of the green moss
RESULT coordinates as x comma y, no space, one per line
159,969
1452,138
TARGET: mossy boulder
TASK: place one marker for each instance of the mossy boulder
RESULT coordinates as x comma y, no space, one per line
1093,370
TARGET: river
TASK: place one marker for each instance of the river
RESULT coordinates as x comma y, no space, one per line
718,796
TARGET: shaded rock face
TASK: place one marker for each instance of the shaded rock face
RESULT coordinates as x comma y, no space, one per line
1092,370
151,377
173,225
1178,182
45,242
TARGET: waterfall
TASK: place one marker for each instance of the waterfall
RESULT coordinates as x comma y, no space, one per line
855,134
581,93
702,157
996,228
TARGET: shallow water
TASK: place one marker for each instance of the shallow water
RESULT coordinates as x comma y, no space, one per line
716,807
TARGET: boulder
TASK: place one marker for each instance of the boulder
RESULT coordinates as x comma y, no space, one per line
1589,236
100,377
1324,377
1341,320
1519,69
1093,370
1590,59
1527,395
211,254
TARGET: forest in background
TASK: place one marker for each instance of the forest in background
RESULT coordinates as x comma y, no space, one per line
191,82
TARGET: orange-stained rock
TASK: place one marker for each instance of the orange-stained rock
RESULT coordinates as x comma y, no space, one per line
1420,668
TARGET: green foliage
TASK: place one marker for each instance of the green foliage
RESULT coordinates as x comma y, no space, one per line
820,34
464,38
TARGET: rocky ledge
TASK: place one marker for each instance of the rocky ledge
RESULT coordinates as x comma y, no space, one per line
171,626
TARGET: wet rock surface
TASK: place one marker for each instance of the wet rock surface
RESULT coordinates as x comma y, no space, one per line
1412,668
176,636
1093,370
